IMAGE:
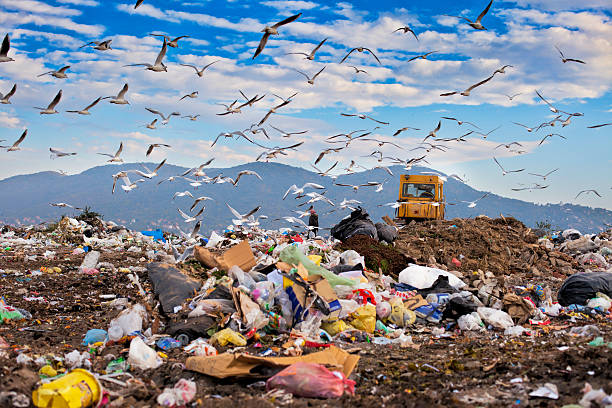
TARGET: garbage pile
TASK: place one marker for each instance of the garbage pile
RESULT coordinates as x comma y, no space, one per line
461,312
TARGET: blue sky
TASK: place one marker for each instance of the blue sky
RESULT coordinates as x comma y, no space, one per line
47,35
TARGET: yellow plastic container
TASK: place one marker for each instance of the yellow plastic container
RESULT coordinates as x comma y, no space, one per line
316,259
77,389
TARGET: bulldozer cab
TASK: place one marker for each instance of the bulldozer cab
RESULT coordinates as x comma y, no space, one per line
421,197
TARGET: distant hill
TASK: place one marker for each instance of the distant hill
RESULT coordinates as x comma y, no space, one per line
26,198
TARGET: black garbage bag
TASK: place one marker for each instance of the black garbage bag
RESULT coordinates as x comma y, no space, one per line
386,232
171,286
193,327
440,285
457,307
580,287
359,223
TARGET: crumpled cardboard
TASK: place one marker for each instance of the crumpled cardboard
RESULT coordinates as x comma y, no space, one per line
244,365
518,308
240,255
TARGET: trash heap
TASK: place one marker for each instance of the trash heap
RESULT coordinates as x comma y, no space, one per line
97,315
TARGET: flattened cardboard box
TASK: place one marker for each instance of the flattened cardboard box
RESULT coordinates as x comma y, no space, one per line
240,255
244,365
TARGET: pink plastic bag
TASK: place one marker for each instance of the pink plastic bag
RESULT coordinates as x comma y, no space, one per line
311,380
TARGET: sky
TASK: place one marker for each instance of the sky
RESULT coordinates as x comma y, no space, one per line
521,33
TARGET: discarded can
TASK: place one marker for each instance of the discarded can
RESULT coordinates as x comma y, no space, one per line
79,388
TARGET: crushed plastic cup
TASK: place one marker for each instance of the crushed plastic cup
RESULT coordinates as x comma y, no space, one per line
77,389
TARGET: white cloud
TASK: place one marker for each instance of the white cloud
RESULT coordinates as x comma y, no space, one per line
20,18
34,6
558,5
6,120
290,5
90,3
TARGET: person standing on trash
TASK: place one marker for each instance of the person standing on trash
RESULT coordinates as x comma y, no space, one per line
313,221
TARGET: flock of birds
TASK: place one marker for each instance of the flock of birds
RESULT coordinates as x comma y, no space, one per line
197,176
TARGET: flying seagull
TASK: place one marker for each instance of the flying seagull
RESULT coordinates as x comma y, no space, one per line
55,153
191,117
460,122
568,59
300,190
245,173
406,30
6,46
4,99
511,97
86,110
15,145
60,73
360,49
477,24
397,132
99,45
114,158
64,205
154,145
504,172
150,173
468,90
197,200
310,56
362,116
543,175
588,191
171,43
357,70
49,110
552,108
272,30
189,218
200,72
182,194
158,66
273,110
311,80
242,217
433,132
508,145
120,98
192,95
422,56
151,125
551,135
165,119
287,134
598,126
472,204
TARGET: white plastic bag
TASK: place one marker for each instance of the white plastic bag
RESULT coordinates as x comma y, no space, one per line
142,356
496,318
423,277
128,321
470,321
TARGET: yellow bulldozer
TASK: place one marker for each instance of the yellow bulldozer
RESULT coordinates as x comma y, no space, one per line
421,197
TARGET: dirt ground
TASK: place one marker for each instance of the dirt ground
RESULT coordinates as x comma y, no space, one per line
457,369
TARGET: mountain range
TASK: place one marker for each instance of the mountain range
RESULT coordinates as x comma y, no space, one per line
27,198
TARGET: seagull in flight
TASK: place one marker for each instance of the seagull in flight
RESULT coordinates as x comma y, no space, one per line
511,97
508,145
182,194
114,158
361,49
422,56
543,176
154,145
99,45
64,205
189,218
120,98
588,191
151,125
60,73
433,132
397,132
158,66
200,72
300,190
4,99
171,43
310,56
50,109
472,204
192,117
568,59
272,30
477,25
245,173
357,70
273,110
551,135
6,46
552,108
407,30
504,171
192,95
197,200
326,172
58,153
362,116
470,89
150,173
287,134
311,80
460,122
15,145
86,110
165,119
242,217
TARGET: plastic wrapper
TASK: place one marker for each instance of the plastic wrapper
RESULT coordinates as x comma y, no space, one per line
334,327
213,306
496,318
142,356
471,321
311,380
226,336
292,255
182,393
364,318
130,320
243,278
